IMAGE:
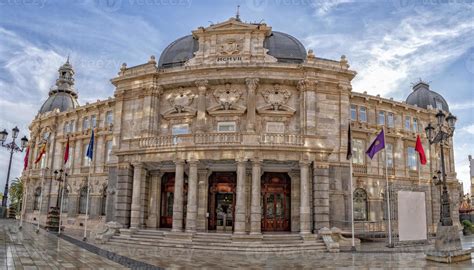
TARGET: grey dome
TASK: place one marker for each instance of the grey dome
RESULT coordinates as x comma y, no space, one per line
62,101
423,97
283,47
178,52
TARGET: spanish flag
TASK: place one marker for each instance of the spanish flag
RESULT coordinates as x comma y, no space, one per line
41,153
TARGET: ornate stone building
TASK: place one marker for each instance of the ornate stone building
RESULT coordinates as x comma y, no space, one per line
237,128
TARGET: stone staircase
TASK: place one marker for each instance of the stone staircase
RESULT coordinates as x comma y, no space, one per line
282,243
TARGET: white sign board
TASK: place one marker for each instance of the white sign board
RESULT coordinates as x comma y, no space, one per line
411,216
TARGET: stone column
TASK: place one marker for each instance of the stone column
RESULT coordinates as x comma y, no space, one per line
239,225
307,93
191,210
155,199
295,200
256,208
252,84
203,189
95,206
321,196
178,197
136,208
201,105
124,193
305,211
73,206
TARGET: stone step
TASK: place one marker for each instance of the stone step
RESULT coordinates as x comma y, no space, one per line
241,245
256,249
150,232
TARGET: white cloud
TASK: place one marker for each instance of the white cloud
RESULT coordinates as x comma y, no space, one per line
468,129
462,106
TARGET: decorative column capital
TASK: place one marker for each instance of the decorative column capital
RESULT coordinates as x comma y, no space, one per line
252,83
178,161
201,85
256,162
306,84
305,163
193,162
241,160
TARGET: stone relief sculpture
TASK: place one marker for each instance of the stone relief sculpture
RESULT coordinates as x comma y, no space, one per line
227,97
180,101
276,97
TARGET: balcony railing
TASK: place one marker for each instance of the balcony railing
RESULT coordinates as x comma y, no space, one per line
228,138
281,139
359,169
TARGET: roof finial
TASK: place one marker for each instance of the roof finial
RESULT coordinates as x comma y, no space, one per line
237,15
67,60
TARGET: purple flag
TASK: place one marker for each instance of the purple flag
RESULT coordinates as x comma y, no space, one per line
377,145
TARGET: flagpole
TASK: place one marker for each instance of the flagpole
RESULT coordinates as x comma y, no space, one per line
23,205
88,184
390,244
41,205
352,206
62,201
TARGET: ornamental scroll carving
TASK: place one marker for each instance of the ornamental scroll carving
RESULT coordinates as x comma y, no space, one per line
276,97
181,100
227,97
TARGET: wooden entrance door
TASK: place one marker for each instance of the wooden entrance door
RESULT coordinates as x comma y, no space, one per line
222,201
167,200
276,202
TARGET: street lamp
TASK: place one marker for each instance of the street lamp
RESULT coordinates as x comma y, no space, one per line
440,134
12,147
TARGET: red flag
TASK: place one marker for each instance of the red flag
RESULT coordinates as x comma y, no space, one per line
41,153
66,151
25,160
420,150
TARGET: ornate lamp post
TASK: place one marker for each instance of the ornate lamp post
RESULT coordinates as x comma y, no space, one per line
447,248
12,147
440,134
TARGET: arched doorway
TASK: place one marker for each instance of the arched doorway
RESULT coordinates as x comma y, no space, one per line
276,199
167,199
222,201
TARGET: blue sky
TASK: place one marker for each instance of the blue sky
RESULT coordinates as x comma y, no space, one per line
390,43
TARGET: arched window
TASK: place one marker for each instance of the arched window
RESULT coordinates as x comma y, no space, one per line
37,200
83,200
104,201
360,204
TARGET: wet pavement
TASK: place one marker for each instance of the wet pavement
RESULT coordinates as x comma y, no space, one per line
27,250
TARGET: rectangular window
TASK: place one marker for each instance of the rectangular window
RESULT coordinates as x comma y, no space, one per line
85,159
85,123
108,150
363,114
71,156
389,155
407,123
415,125
109,118
390,120
381,118
275,127
180,129
411,159
66,128
439,104
353,112
358,149
72,126
226,127
93,121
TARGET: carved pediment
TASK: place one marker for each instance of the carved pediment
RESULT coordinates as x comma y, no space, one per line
230,46
276,99
227,98
180,102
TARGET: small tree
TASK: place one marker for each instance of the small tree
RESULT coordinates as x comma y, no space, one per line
16,193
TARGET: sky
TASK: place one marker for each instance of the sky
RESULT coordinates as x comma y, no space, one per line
390,43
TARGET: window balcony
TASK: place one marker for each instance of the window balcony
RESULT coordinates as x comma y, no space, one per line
359,169
281,139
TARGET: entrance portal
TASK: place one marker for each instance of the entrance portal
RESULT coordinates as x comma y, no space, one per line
276,192
167,199
221,201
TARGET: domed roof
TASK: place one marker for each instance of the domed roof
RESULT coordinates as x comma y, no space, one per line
285,48
63,96
61,100
178,52
423,97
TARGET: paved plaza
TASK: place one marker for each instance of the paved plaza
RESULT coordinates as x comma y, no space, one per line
27,250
